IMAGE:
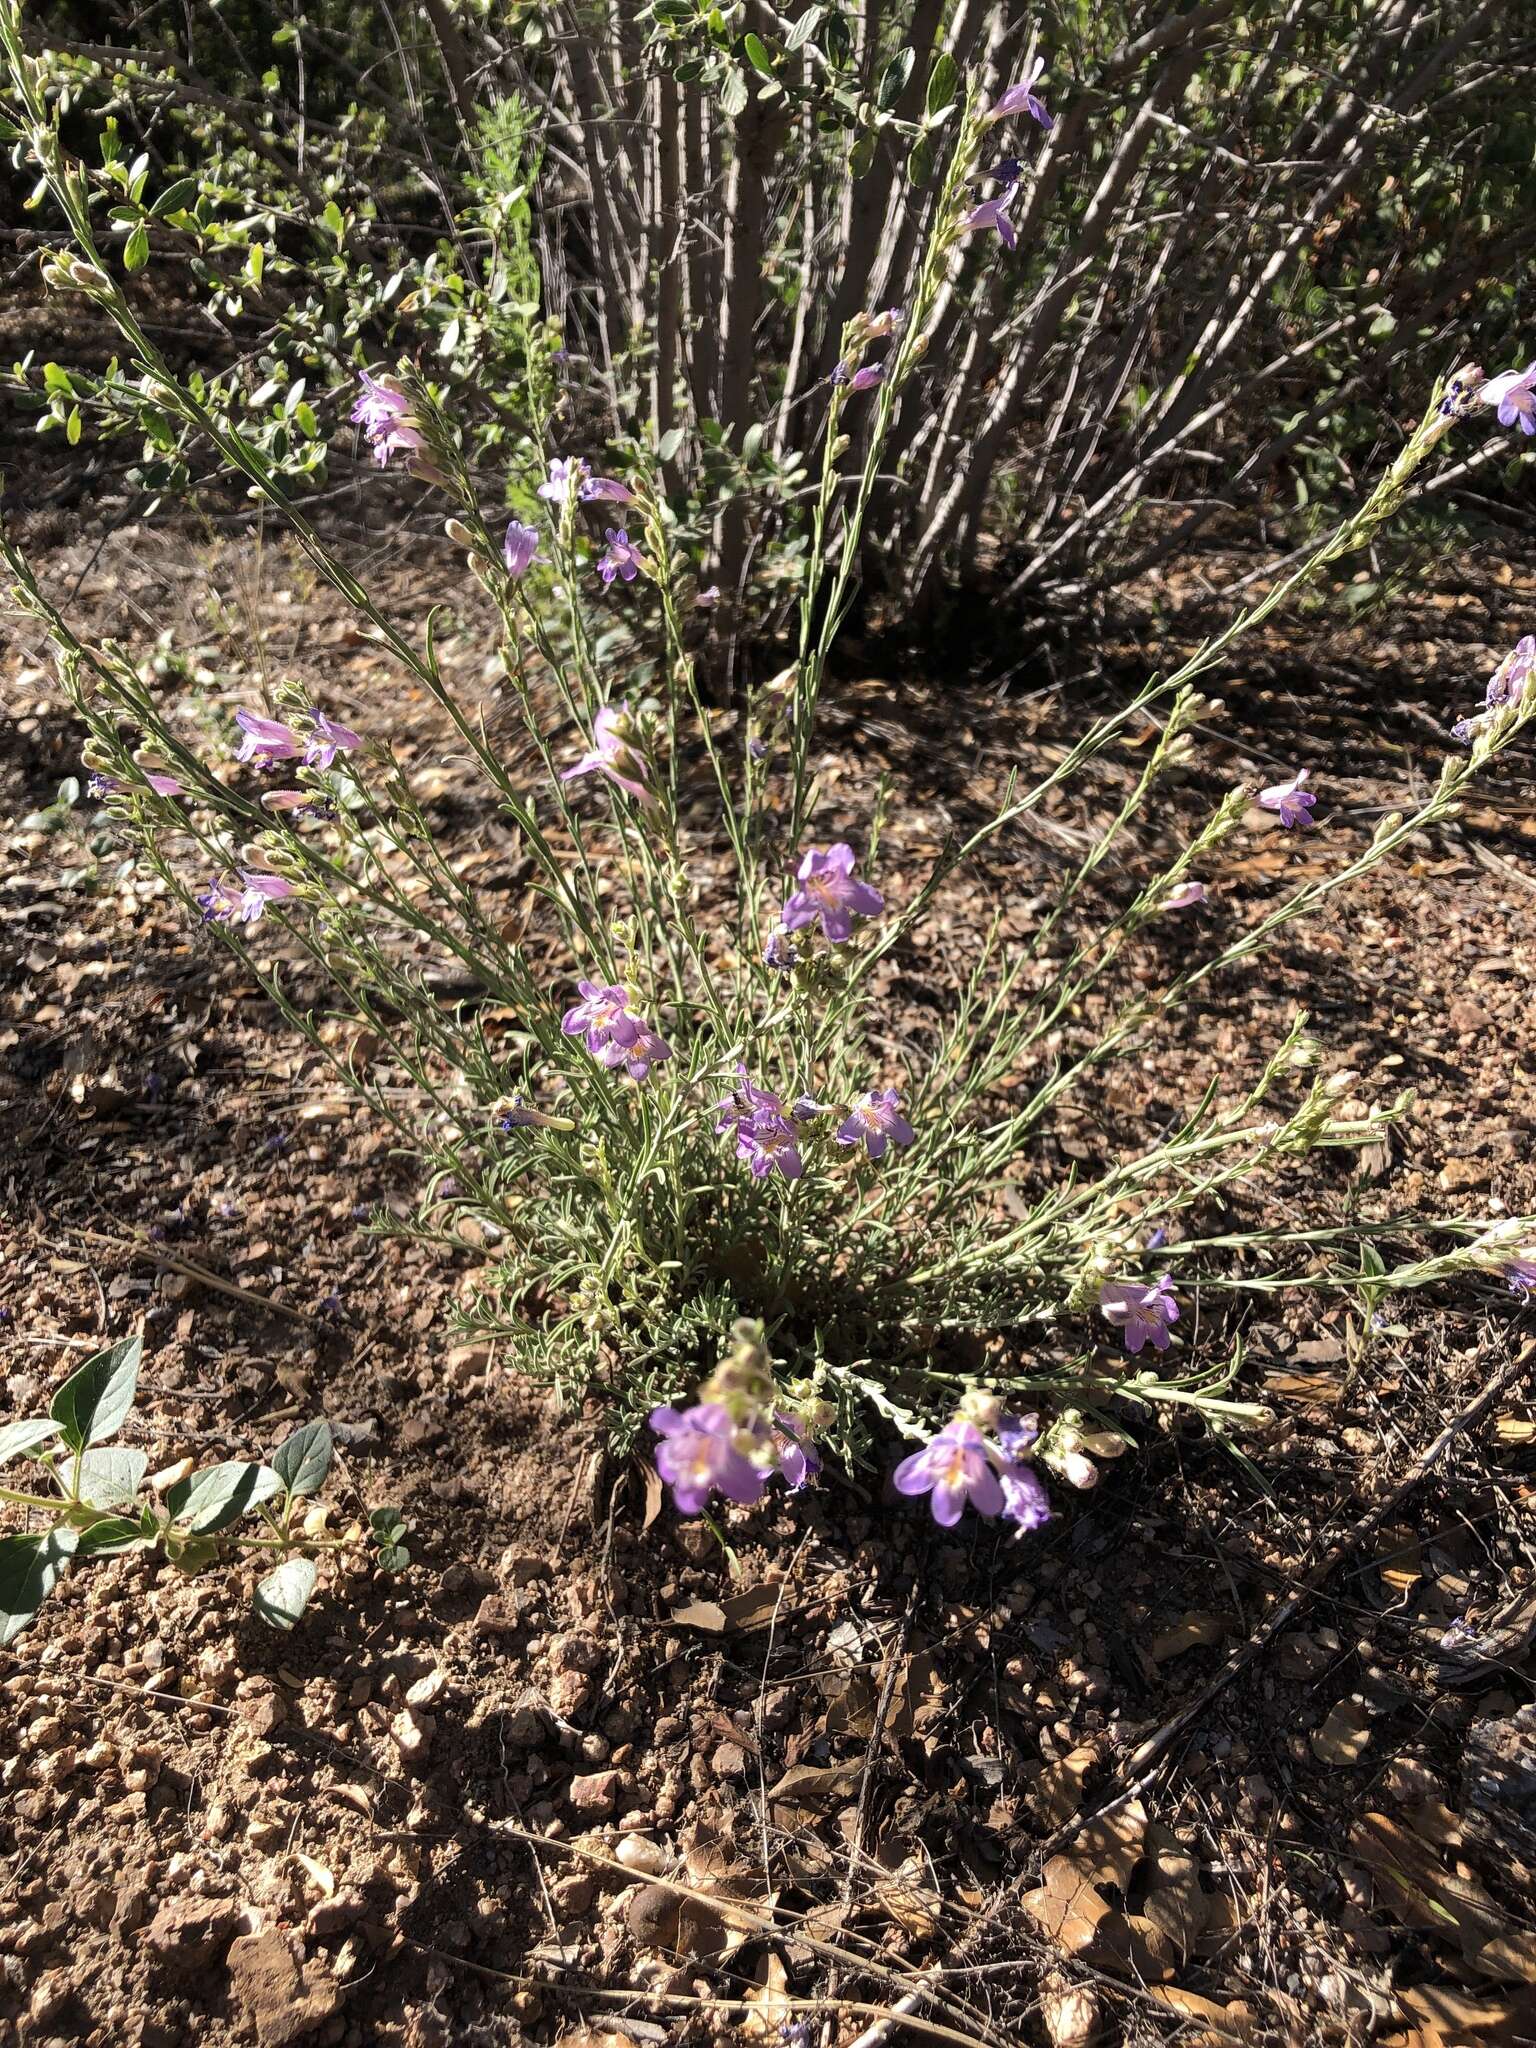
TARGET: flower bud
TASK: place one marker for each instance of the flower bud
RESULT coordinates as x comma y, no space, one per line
840,447
982,1408
458,531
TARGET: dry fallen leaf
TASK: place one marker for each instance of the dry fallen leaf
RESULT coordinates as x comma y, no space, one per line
1343,1737
1194,1631
767,2001
1057,1793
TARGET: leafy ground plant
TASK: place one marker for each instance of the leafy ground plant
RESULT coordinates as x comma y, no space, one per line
718,1196
94,1498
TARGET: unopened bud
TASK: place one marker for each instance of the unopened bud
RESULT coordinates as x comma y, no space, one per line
1389,824
840,447
458,531
982,1408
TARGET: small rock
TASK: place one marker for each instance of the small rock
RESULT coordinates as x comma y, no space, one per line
497,1616
330,1916
573,1894
595,1794
639,1852
192,1933
569,1692
281,2003
412,1732
521,1568
575,1653
427,1689
730,1761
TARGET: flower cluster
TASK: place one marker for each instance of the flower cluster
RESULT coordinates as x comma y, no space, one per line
611,1031
390,427
269,740
1506,686
737,1434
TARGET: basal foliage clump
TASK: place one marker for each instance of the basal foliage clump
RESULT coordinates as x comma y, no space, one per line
719,1193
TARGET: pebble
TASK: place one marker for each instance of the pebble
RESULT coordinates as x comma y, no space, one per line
596,1793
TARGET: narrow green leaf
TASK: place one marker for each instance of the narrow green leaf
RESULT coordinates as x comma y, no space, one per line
93,1403
757,54
212,1500
302,1460
17,1438
30,1568
284,1594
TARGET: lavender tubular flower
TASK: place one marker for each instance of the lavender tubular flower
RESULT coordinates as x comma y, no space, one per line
384,414
1292,801
763,1129
1024,99
619,558
993,214
605,489
567,475
698,1456
226,902
327,739
266,739
1514,393
1141,1313
602,1015
520,549
876,1123
953,1469
830,892
1183,895
1025,1501
614,756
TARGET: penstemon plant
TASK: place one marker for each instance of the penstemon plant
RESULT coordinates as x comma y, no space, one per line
93,1498
715,1199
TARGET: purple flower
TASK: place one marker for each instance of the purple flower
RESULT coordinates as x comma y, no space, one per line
518,1115
384,414
608,488
1292,800
798,1460
1144,1314
566,477
107,785
954,1468
602,1015
646,1049
225,903
327,739
1507,683
764,1130
993,213
780,951
1514,393
1025,1500
698,1456
266,739
866,377
1520,1276
302,803
1183,895
620,558
613,756
881,326
1018,1434
829,891
708,599
1023,99
875,1123
520,549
